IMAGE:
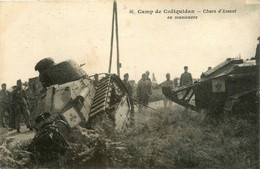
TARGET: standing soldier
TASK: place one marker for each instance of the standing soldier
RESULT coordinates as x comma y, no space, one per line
96,82
175,82
130,90
257,53
144,91
147,74
21,102
169,84
5,109
33,100
127,84
186,77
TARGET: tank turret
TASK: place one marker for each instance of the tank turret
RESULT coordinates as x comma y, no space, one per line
51,73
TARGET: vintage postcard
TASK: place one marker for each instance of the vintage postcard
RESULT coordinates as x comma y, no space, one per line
129,84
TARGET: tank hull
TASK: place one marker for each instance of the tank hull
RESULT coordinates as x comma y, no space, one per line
221,89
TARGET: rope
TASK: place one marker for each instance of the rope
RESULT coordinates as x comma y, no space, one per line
137,102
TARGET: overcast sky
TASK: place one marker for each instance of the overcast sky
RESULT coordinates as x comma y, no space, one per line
31,31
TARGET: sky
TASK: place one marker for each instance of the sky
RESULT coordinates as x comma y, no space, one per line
81,30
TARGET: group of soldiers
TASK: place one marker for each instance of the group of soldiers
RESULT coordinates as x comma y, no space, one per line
144,89
14,105
144,86
185,79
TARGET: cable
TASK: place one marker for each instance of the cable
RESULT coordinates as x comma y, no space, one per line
143,104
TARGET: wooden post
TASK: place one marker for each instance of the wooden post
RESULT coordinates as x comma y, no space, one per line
117,41
114,23
112,36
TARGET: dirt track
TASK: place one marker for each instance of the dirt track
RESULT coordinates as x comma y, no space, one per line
15,138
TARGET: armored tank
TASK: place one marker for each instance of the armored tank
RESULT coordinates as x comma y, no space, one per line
230,86
70,99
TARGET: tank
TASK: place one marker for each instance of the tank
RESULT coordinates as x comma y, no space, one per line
231,86
70,99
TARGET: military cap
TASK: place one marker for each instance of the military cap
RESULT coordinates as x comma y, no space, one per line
185,67
258,38
126,74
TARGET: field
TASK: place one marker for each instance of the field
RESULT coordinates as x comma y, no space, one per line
156,95
178,138
168,138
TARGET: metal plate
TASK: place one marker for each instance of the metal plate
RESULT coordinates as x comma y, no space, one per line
218,85
72,117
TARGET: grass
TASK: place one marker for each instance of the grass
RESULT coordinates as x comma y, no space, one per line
156,95
178,138
172,138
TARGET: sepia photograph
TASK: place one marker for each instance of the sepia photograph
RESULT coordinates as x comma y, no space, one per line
129,84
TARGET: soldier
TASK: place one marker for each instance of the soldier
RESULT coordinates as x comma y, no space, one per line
147,74
186,77
144,91
169,84
33,100
130,90
127,84
5,109
96,82
21,102
175,82
257,53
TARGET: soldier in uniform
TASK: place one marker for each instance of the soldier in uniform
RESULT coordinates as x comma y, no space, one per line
169,84
21,103
130,90
5,109
175,82
33,100
96,82
147,74
144,90
186,77
127,84
257,53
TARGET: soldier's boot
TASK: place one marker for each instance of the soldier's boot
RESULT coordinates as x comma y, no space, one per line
18,131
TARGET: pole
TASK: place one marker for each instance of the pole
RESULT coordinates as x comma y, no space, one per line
117,40
112,36
114,24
